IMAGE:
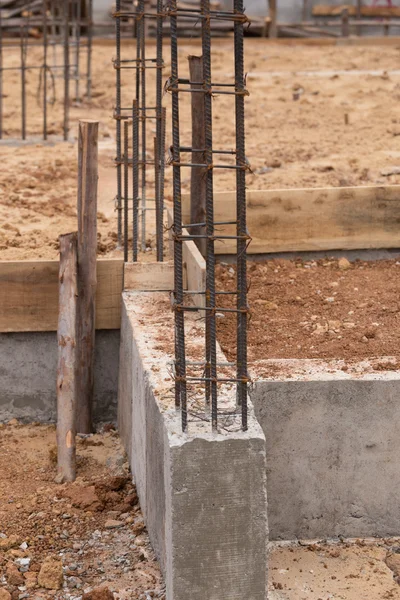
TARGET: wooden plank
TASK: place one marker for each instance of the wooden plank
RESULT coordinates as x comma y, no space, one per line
146,276
87,272
29,295
326,10
313,219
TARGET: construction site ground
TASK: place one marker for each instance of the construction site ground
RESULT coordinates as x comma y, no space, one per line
316,116
92,534
325,309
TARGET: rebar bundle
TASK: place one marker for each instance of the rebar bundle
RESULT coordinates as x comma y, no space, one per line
140,113
55,33
213,374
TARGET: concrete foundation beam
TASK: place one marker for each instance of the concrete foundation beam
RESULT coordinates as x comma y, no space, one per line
333,450
203,495
28,371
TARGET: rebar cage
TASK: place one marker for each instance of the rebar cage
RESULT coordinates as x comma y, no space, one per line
199,385
45,46
139,198
208,376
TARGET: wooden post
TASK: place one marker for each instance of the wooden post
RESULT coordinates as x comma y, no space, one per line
198,179
87,278
66,377
273,27
358,15
345,22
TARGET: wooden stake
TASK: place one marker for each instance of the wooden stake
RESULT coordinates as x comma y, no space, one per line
273,27
66,379
358,15
345,22
87,278
198,179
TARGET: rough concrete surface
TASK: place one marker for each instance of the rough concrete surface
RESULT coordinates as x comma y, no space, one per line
28,366
333,452
203,495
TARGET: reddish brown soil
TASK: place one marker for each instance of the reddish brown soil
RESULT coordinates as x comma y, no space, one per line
318,309
94,526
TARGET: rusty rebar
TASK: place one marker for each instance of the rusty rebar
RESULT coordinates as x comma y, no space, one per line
209,382
66,67
146,111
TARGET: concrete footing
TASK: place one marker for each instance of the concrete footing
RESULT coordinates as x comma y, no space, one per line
333,449
28,372
203,495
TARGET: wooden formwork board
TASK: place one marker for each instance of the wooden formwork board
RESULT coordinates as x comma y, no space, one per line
150,276
193,262
312,219
29,295
29,289
327,10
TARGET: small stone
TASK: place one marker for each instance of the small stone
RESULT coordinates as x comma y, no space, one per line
349,325
13,576
138,526
330,299
13,423
99,593
364,339
320,329
30,580
140,541
23,564
334,325
344,264
9,542
390,171
392,561
112,524
266,304
51,574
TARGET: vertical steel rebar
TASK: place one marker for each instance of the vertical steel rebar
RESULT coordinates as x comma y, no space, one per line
118,116
66,67
126,186
211,331
159,189
161,151
44,69
241,258
77,48
180,359
1,76
23,50
143,119
89,50
135,179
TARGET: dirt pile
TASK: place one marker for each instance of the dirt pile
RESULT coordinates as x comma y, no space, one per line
63,541
318,309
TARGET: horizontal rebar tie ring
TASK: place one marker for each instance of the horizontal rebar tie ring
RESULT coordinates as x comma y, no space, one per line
209,91
185,238
185,12
210,309
214,379
209,167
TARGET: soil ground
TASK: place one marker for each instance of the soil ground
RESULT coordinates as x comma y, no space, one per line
95,528
303,142
318,309
303,130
